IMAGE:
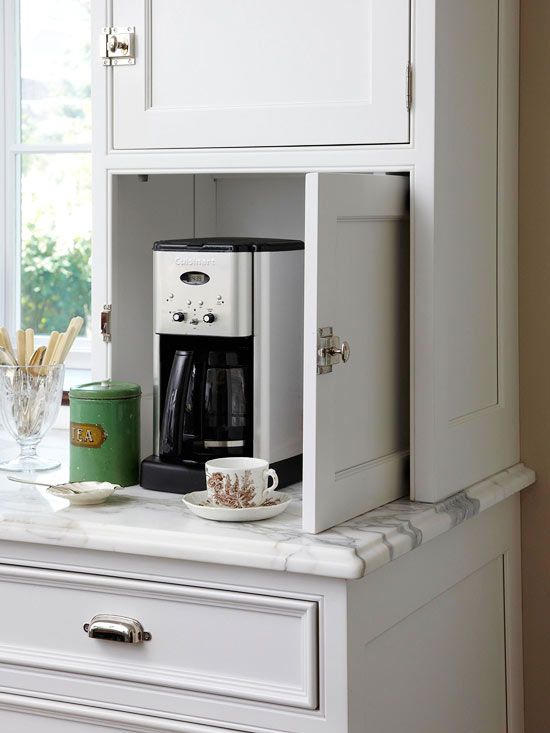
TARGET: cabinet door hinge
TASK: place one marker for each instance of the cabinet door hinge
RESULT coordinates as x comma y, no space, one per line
409,97
116,45
106,323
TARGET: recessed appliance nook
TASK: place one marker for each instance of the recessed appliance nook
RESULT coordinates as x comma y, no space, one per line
332,315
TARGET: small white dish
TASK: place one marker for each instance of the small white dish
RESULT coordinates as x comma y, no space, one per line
84,493
197,502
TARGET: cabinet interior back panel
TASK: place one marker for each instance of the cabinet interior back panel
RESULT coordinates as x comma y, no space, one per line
260,206
466,202
161,208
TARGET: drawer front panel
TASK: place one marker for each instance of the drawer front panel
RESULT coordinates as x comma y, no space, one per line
232,644
20,714
25,722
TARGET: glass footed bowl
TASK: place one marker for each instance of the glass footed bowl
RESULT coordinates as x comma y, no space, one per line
30,397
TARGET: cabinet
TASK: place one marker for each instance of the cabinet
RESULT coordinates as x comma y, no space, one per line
354,459
247,74
447,392
237,645
402,647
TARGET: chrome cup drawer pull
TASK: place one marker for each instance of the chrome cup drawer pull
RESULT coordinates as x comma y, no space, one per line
116,628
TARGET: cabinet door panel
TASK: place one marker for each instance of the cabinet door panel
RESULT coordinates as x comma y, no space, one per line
250,73
466,332
452,676
356,281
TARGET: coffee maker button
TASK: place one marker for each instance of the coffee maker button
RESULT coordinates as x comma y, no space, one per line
201,302
209,318
179,316
188,302
194,321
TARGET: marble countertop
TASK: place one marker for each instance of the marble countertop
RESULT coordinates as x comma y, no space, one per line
143,522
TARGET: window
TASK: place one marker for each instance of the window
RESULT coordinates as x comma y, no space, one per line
47,171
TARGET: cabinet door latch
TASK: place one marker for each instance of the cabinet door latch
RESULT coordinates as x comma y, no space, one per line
330,351
116,45
106,323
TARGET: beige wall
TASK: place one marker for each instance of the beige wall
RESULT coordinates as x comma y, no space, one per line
534,267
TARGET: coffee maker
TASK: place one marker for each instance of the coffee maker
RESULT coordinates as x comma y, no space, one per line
228,345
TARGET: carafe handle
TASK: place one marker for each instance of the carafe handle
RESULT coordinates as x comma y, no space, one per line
170,439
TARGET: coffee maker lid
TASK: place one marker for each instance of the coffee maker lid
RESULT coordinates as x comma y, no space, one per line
227,244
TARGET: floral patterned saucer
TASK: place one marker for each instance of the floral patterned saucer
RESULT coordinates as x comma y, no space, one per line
198,503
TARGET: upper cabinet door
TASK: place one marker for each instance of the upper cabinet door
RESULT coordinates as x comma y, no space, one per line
271,73
466,424
356,415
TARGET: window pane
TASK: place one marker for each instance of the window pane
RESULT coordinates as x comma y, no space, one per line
55,240
55,71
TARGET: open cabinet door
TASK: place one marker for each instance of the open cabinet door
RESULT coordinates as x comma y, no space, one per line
356,413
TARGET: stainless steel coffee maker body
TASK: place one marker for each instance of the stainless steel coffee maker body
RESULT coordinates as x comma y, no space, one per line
228,357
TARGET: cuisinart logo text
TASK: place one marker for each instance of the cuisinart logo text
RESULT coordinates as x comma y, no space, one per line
195,261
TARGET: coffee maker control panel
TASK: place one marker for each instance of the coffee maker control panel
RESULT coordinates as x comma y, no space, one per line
203,293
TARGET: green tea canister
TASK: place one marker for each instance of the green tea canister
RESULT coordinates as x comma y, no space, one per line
105,432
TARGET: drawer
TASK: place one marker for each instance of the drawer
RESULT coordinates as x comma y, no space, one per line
20,722
20,714
237,645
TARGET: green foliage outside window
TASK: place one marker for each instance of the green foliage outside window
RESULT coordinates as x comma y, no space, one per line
55,285
55,185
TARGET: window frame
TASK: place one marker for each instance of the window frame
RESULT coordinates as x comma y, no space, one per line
11,150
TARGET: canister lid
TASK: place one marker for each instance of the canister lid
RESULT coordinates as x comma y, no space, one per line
105,390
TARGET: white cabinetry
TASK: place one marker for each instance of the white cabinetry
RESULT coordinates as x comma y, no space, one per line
305,115
465,261
249,73
430,642
355,458
25,721
183,622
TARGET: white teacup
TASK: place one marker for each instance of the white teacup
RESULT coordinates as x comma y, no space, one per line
239,482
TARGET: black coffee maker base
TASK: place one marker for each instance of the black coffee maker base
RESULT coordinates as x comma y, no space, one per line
177,478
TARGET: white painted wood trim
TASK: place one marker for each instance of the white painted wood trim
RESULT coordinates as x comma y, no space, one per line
511,560
9,204
101,213
96,716
4,301
45,148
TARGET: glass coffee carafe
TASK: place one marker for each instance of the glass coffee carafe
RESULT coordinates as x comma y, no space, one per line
206,406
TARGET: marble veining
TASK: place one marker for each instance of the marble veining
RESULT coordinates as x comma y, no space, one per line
142,522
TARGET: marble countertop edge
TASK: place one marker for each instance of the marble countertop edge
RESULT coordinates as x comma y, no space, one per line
153,524
335,562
